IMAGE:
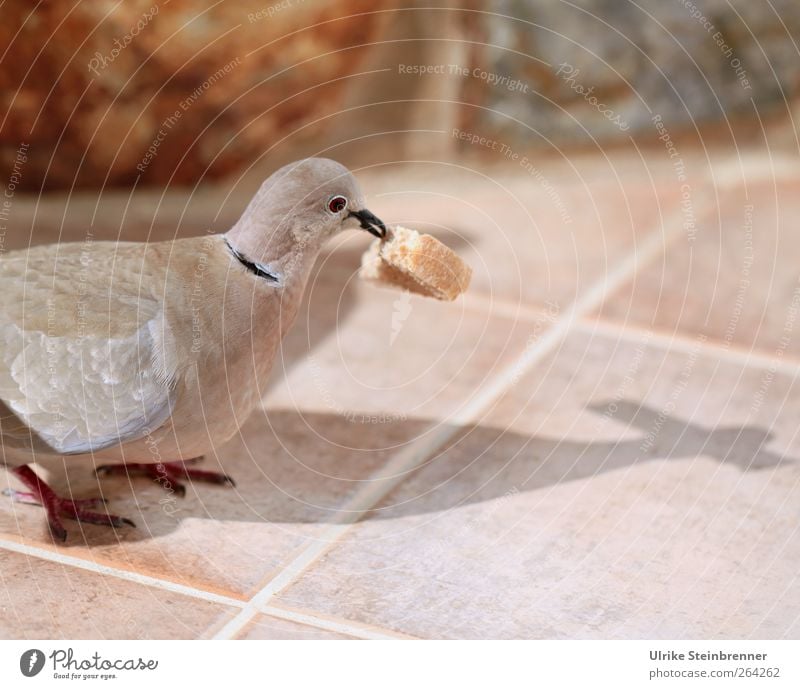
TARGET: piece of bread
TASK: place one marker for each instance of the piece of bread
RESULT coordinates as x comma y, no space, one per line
416,262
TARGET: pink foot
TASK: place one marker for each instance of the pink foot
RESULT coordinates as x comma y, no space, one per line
56,507
25,498
168,474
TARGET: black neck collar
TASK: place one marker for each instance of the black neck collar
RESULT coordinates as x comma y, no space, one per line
255,268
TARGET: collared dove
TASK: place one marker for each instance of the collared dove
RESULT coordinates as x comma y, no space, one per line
152,354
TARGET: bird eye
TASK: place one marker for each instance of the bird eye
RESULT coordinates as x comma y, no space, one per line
337,204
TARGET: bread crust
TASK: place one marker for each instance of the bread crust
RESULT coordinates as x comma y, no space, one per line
416,262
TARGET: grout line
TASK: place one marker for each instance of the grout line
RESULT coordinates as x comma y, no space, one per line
289,573
594,297
341,626
683,343
96,568
380,484
392,474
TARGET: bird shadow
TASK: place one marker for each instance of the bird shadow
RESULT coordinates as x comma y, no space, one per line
298,468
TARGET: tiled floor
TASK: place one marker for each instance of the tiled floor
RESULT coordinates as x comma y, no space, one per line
599,440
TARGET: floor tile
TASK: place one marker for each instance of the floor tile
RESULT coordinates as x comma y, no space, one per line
268,627
736,283
46,600
616,491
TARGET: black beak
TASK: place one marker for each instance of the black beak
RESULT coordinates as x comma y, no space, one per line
369,222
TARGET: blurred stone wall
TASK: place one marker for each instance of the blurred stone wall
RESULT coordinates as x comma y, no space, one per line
602,69
104,92
154,91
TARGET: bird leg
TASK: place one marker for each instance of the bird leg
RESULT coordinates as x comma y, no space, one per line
56,507
25,498
168,474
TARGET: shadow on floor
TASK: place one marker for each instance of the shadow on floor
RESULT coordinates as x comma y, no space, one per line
260,496
301,468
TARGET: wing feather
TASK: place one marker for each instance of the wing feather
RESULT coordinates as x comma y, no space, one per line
85,362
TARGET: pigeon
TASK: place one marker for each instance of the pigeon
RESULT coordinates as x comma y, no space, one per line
146,356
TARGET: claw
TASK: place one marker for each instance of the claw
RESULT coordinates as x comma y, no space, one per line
56,506
193,460
168,474
58,531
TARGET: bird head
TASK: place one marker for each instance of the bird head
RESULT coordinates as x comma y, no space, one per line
302,204
337,199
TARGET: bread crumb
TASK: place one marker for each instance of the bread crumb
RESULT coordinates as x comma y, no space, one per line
416,262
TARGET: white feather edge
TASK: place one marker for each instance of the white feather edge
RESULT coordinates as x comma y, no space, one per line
127,389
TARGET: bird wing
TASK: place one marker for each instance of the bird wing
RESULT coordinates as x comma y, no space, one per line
85,349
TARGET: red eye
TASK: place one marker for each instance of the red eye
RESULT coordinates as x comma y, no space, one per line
337,204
